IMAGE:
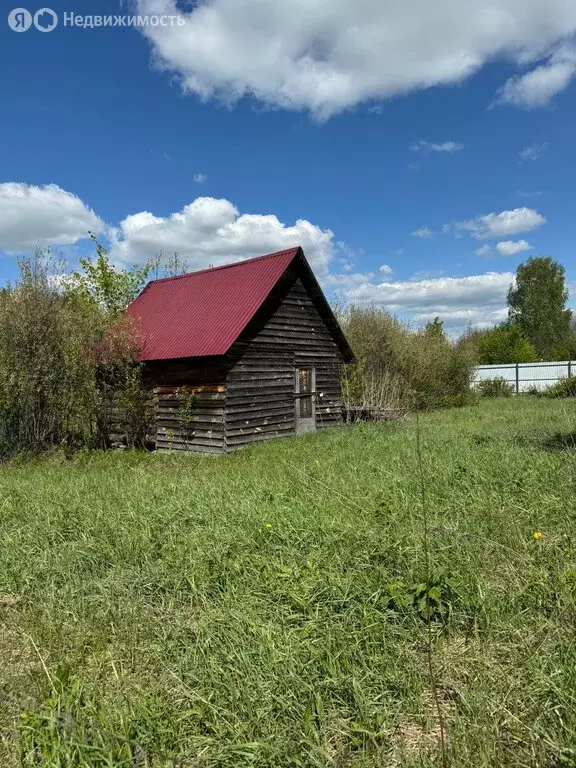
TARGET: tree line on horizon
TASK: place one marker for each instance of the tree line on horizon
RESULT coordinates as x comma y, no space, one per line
401,367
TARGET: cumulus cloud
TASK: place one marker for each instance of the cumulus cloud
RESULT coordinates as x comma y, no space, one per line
205,232
329,56
39,216
423,232
484,250
428,146
477,300
200,178
501,224
533,152
209,231
341,283
538,86
511,247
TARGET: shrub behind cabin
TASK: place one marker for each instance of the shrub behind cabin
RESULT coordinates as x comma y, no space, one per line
399,367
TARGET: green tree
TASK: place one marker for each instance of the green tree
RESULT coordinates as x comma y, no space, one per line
112,289
435,328
537,305
170,266
504,344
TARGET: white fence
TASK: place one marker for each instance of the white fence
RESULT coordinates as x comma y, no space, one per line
525,376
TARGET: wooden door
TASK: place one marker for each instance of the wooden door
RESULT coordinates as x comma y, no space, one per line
305,400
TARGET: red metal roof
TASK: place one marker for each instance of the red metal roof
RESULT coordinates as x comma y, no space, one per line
203,313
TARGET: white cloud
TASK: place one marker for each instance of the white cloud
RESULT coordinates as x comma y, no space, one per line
205,232
428,146
342,283
476,300
501,224
423,232
329,56
484,250
537,87
511,247
210,231
523,193
200,178
533,152
32,216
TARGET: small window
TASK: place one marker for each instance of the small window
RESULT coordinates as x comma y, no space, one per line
305,380
305,392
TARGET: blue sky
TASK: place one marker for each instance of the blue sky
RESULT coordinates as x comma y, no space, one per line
251,126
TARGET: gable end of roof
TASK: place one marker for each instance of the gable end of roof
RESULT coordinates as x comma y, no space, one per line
202,314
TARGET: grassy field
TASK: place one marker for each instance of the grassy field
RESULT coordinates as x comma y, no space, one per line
268,608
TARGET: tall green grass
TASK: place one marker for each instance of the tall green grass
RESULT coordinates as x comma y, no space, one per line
269,608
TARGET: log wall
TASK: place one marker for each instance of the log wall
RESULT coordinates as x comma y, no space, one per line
202,429
289,334
172,383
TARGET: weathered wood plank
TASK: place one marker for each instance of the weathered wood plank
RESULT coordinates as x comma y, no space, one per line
256,437
285,375
187,389
202,439
216,415
164,447
204,399
260,424
248,414
262,393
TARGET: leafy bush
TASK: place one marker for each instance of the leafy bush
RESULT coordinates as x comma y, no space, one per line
65,354
401,368
502,345
497,387
563,388
47,388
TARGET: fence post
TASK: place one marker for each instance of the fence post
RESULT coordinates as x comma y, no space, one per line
569,368
517,380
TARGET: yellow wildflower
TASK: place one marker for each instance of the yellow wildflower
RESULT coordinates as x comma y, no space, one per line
536,535
268,526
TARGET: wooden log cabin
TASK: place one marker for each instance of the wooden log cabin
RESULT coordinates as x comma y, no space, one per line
240,353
